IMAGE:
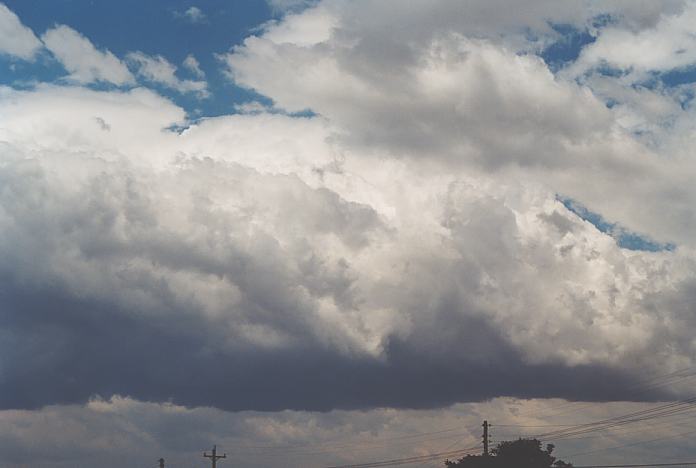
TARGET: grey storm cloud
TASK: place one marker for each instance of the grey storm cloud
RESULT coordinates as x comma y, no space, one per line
404,246
394,246
210,284
61,350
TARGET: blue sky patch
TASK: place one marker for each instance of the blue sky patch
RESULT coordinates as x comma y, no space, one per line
679,76
567,48
201,29
624,238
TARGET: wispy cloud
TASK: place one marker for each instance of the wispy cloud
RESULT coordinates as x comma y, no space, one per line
159,70
192,65
192,14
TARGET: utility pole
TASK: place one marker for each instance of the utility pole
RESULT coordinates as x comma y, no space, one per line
485,438
214,457
161,463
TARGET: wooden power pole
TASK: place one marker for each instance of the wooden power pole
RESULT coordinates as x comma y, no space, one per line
214,457
485,438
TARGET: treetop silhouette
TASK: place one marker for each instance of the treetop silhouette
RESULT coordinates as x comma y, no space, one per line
521,453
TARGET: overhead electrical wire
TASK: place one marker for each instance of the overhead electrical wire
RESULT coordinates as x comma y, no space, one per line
637,465
638,388
632,444
664,410
668,409
408,460
569,431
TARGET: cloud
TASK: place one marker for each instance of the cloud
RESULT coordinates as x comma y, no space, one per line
193,14
668,44
159,70
312,274
437,98
403,247
85,63
111,432
253,107
192,65
48,108
16,39
278,278
102,124
284,6
432,93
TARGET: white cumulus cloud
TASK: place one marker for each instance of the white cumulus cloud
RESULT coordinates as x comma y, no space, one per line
668,44
345,230
474,103
83,60
16,39
192,14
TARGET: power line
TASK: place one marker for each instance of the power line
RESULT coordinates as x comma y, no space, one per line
635,465
426,458
416,459
456,442
330,446
620,431
535,425
636,416
652,413
393,441
565,434
638,388
632,444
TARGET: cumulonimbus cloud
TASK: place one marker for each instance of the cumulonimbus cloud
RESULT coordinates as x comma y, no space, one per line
328,277
403,246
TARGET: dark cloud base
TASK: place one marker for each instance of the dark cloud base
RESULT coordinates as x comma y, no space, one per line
59,350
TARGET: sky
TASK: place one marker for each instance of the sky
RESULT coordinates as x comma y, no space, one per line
329,232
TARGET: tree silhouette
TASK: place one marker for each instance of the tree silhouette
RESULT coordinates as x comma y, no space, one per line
521,453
